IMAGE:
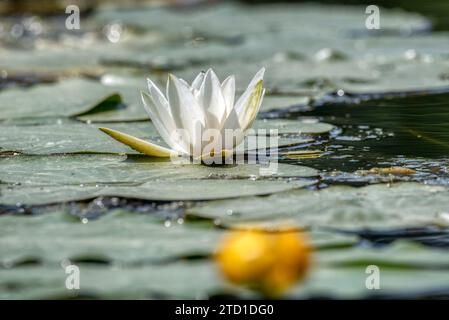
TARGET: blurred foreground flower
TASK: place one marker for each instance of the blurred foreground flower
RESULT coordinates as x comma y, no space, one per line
268,261
194,119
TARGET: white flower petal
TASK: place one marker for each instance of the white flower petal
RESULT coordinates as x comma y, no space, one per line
184,82
228,90
167,88
212,101
251,106
197,83
153,112
185,110
232,125
161,105
242,101
258,104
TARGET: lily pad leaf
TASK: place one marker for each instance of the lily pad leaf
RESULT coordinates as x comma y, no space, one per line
371,206
73,137
54,237
157,190
114,169
67,98
109,103
118,255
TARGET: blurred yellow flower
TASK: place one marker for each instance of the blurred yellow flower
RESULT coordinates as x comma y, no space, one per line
268,261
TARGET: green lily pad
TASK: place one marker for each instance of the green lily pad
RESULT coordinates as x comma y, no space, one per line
113,169
129,88
403,205
273,102
180,280
273,31
72,137
202,280
68,137
342,273
118,237
63,99
211,20
73,58
126,255
137,247
111,99
350,283
48,60
402,254
158,190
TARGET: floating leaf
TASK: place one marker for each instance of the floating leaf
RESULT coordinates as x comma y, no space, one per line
403,205
113,169
72,137
158,190
57,100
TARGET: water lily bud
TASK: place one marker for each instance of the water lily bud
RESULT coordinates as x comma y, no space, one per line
267,261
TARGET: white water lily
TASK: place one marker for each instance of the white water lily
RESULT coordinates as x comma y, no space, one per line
188,113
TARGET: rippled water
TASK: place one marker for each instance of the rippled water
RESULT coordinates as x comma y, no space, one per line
405,129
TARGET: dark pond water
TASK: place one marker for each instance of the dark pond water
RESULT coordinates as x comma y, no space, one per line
408,129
